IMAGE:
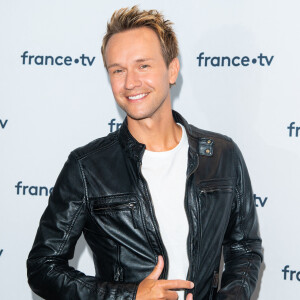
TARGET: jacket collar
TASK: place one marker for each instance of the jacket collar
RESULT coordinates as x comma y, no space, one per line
136,150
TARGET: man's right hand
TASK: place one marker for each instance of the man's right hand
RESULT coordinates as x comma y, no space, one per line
152,288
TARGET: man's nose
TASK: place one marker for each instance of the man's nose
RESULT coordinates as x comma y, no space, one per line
132,80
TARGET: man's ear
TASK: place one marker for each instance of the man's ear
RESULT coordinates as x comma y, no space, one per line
174,67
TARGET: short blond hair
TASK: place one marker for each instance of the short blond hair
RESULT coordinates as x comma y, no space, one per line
132,18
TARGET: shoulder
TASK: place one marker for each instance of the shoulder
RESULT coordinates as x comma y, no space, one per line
220,142
221,150
202,135
208,134
95,146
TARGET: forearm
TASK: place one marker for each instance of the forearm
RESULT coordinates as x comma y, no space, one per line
240,277
51,278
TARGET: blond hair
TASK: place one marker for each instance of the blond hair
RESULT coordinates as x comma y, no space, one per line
132,18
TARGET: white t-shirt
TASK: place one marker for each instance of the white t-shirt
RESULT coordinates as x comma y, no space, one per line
165,173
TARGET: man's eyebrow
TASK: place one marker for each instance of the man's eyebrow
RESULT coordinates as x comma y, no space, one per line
113,65
144,59
139,60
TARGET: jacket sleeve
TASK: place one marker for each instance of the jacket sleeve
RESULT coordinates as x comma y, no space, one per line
242,243
49,274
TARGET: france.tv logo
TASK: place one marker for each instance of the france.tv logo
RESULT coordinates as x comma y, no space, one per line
236,61
113,125
32,190
49,60
290,274
3,123
293,130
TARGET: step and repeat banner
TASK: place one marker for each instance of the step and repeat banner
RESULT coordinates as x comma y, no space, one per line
239,76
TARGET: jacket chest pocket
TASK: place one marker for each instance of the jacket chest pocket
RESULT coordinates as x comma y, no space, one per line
215,196
117,209
216,192
118,212
215,201
216,189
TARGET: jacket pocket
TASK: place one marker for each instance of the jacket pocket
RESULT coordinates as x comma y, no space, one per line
212,189
216,193
214,205
214,286
116,207
215,186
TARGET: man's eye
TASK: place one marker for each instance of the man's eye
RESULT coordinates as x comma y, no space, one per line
144,66
117,71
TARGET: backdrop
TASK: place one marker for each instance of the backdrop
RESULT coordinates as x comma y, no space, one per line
239,76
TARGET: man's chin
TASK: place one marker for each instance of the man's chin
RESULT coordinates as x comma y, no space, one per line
138,116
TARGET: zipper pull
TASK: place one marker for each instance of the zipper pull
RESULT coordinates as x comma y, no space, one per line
133,215
119,274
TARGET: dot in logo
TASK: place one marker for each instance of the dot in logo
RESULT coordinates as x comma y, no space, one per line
76,60
254,60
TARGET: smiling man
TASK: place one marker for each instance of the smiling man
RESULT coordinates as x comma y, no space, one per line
157,199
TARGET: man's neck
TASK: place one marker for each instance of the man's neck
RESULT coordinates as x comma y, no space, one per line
157,133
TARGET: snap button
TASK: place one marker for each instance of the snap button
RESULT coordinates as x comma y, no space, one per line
208,141
207,151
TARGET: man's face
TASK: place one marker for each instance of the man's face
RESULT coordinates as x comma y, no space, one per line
138,73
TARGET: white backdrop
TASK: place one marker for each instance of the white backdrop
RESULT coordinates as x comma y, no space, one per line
48,110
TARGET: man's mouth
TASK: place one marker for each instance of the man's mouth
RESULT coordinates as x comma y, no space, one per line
138,96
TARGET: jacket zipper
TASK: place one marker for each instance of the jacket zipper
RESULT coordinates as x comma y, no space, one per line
215,189
189,243
119,274
155,223
119,206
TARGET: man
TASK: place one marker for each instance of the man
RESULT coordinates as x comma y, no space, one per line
157,199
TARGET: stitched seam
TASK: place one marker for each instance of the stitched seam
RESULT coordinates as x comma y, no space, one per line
234,177
199,209
69,229
130,195
245,246
218,180
243,285
75,278
82,175
145,229
71,226
241,212
152,220
98,290
84,283
86,195
208,134
83,181
238,195
97,150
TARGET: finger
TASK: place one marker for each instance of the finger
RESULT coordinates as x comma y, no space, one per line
176,284
171,295
189,296
157,269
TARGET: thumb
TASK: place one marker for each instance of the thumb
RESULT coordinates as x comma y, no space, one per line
157,269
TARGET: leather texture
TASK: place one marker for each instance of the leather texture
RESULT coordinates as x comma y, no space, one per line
102,193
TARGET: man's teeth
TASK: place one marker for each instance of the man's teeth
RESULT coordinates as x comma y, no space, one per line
137,97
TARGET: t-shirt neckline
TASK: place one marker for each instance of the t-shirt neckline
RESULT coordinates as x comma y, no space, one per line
182,141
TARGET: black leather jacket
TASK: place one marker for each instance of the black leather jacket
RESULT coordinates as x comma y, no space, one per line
102,193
